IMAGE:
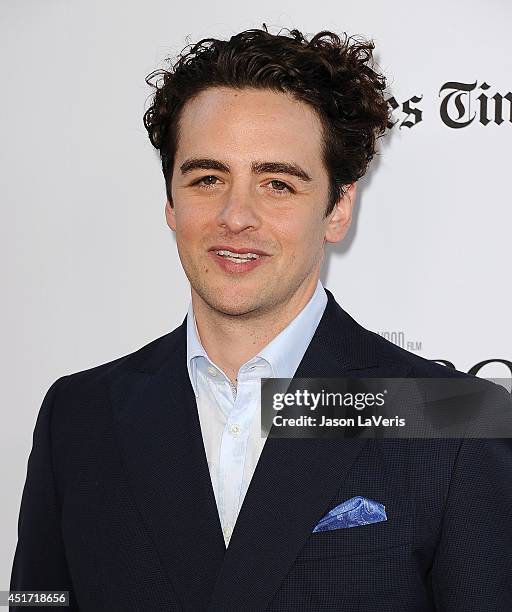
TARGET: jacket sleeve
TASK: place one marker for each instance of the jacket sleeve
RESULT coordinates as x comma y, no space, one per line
472,569
40,561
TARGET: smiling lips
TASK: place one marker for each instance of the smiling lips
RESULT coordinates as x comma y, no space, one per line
233,260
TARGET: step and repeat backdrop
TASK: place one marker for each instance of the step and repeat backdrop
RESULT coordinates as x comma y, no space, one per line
91,270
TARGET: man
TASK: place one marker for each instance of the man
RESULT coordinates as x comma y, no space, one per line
149,486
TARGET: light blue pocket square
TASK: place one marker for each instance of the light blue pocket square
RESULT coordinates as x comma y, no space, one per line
351,513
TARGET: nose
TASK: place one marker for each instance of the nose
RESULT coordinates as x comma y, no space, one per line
239,210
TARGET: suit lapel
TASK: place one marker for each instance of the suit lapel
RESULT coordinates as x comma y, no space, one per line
161,443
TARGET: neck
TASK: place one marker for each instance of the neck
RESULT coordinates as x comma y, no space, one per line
231,340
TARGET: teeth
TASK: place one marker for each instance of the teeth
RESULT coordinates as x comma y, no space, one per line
243,256
238,260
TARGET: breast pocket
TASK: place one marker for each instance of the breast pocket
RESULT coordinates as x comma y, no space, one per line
363,539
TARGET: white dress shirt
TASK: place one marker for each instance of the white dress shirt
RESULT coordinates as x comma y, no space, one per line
230,415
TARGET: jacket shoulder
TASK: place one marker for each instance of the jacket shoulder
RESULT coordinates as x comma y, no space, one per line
344,335
145,358
417,366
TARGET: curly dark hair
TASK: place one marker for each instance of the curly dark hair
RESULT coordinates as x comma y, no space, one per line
335,76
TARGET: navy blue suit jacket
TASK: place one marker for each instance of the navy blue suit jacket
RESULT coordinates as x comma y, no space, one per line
118,506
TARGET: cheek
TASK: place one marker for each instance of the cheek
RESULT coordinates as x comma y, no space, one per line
189,225
301,238
187,236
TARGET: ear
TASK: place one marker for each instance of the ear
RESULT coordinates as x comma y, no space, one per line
339,219
170,215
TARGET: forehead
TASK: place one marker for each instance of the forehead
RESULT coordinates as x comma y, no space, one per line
250,122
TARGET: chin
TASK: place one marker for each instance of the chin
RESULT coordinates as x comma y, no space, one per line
230,302
232,308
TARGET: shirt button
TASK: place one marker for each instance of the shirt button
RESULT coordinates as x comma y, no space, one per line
228,532
212,371
234,429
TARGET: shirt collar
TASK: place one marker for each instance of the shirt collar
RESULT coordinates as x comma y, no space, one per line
284,353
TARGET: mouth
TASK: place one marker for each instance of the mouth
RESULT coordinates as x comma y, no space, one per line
237,261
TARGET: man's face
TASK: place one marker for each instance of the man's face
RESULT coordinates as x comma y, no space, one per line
248,176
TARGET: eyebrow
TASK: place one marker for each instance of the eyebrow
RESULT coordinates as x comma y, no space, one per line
257,167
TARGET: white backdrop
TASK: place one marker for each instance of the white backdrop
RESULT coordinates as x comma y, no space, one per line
91,270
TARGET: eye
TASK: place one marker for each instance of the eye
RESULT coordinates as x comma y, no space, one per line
204,181
280,187
210,181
